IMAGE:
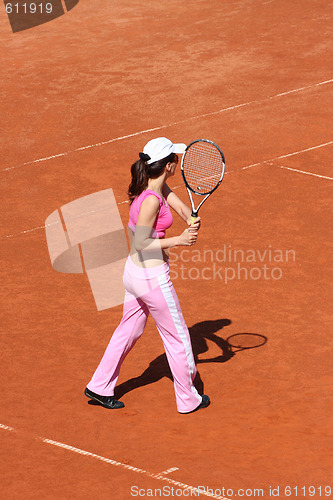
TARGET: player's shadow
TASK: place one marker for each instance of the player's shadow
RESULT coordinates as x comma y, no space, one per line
159,367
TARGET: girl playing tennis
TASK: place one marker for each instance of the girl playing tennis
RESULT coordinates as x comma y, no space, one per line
148,288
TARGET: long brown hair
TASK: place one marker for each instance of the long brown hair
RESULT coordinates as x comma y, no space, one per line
142,172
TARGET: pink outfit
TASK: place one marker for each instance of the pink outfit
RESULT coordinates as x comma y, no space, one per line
163,220
150,290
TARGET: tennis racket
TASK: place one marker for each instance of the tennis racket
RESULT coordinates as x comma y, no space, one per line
202,168
243,341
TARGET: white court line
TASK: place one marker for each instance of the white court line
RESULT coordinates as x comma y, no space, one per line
168,471
285,156
166,126
303,150
7,428
302,88
159,477
279,158
115,463
263,162
306,173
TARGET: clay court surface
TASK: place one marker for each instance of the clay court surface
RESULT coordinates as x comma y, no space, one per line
80,96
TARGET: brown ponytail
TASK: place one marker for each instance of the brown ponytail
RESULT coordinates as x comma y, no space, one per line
139,183
142,172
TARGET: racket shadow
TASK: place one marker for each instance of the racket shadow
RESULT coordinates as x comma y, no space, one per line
199,333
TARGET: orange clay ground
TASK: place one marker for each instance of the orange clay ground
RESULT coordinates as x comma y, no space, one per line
255,77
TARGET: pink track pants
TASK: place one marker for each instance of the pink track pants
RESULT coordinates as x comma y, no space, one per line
150,291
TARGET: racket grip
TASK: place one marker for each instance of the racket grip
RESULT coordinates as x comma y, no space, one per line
194,215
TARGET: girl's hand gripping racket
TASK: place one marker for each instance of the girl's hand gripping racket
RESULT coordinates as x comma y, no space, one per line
202,167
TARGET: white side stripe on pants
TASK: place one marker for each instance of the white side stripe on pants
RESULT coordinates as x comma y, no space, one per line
164,285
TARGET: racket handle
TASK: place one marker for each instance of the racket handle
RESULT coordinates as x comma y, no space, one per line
194,215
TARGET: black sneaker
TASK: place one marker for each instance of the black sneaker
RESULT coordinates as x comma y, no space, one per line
107,401
204,403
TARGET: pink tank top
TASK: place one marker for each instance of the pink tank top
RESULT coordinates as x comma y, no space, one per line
164,217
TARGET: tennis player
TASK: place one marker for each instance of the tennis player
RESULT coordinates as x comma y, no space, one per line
148,288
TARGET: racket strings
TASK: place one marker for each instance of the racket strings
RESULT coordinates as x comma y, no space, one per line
203,167
246,340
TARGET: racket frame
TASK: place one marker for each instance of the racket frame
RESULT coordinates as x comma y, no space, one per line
191,190
261,340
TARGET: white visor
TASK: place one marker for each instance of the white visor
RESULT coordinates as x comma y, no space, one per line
162,147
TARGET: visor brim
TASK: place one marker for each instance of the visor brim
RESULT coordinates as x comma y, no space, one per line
179,148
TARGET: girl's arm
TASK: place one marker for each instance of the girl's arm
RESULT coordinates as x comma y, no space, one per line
179,206
144,229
